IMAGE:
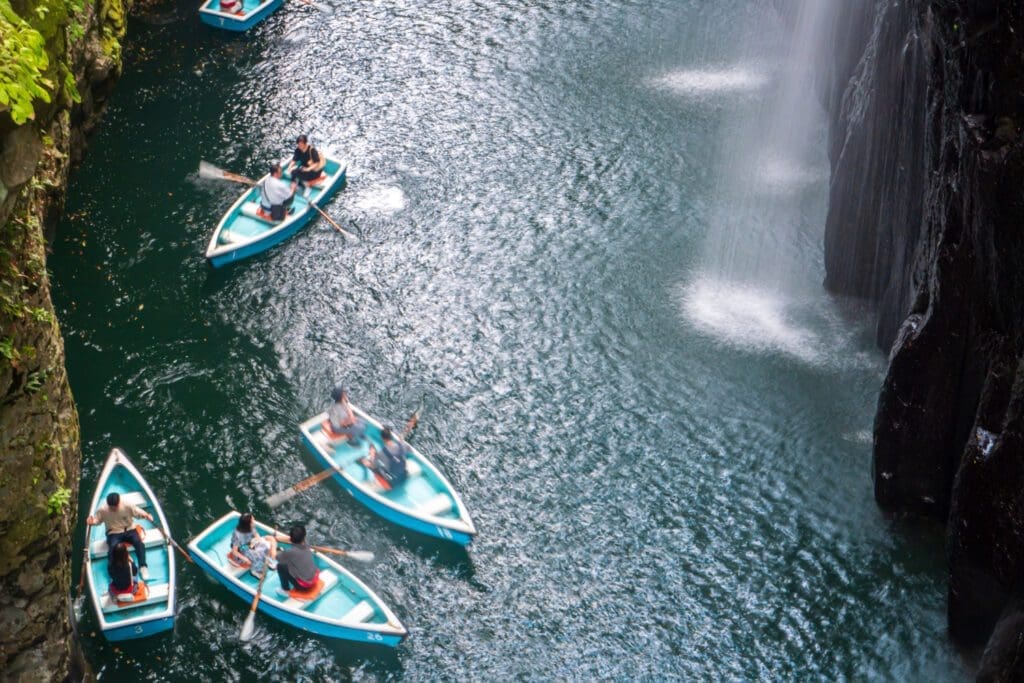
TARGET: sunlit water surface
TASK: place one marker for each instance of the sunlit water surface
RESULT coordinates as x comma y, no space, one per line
668,465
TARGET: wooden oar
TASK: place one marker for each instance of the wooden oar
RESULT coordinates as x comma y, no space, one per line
287,494
250,620
357,555
175,544
80,598
209,171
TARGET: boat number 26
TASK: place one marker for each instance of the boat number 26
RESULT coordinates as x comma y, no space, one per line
374,636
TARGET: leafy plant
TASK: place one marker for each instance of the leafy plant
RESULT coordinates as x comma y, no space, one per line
58,500
23,63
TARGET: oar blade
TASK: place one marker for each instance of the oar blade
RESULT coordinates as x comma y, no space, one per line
249,627
210,172
281,497
359,555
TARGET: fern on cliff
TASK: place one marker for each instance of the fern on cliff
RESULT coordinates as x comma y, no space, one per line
23,65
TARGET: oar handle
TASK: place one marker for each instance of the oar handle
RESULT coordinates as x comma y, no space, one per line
175,544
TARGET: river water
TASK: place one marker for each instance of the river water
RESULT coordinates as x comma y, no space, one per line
664,442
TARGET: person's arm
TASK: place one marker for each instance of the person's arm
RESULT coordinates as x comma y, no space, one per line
316,160
350,417
139,513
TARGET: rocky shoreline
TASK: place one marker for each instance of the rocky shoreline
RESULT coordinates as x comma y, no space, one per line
926,203
76,57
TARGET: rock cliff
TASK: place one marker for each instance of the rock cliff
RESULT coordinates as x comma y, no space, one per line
925,217
60,58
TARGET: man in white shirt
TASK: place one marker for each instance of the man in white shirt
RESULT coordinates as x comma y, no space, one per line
276,194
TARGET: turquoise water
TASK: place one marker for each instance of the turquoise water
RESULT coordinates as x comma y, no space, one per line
657,419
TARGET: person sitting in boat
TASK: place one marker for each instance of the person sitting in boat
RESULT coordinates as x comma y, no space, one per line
307,163
122,573
295,565
342,422
276,195
250,549
118,519
389,463
231,6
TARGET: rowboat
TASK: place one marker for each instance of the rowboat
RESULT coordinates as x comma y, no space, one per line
243,231
344,607
252,13
425,502
152,609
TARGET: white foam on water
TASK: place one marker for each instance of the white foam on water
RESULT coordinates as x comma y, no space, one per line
779,175
703,82
381,200
748,318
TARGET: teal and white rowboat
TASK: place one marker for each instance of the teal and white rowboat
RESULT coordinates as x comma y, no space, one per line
243,232
252,12
345,607
425,502
154,612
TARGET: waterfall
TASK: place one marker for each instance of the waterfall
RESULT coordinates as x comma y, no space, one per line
758,284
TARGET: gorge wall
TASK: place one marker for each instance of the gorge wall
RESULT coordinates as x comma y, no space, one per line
60,59
926,99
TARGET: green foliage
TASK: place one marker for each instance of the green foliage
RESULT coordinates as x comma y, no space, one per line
40,315
58,500
23,63
7,349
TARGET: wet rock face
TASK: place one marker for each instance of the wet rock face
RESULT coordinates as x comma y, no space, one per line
925,218
39,439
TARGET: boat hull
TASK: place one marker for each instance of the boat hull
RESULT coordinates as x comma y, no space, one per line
387,512
230,22
220,255
131,622
327,615
408,505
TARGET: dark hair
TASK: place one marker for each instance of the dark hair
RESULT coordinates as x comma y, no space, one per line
274,168
297,533
113,499
302,138
386,433
245,523
120,557
338,391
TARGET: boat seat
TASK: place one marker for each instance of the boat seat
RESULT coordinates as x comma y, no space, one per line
153,539
135,498
359,614
227,237
251,210
438,505
329,579
157,593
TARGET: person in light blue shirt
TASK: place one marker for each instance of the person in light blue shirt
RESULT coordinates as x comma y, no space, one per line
276,194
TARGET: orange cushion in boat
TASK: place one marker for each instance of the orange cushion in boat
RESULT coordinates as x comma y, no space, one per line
141,593
310,594
317,181
263,214
140,531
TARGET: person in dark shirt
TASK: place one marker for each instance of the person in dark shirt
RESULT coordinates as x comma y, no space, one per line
122,573
307,163
390,461
295,566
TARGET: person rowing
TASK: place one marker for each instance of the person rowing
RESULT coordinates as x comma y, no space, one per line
276,194
390,463
296,567
117,517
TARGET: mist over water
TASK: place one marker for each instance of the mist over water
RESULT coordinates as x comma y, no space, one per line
591,245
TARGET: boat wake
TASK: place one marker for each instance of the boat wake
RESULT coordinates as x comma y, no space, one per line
701,83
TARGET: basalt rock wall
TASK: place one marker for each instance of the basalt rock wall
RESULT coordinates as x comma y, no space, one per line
926,218
61,58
